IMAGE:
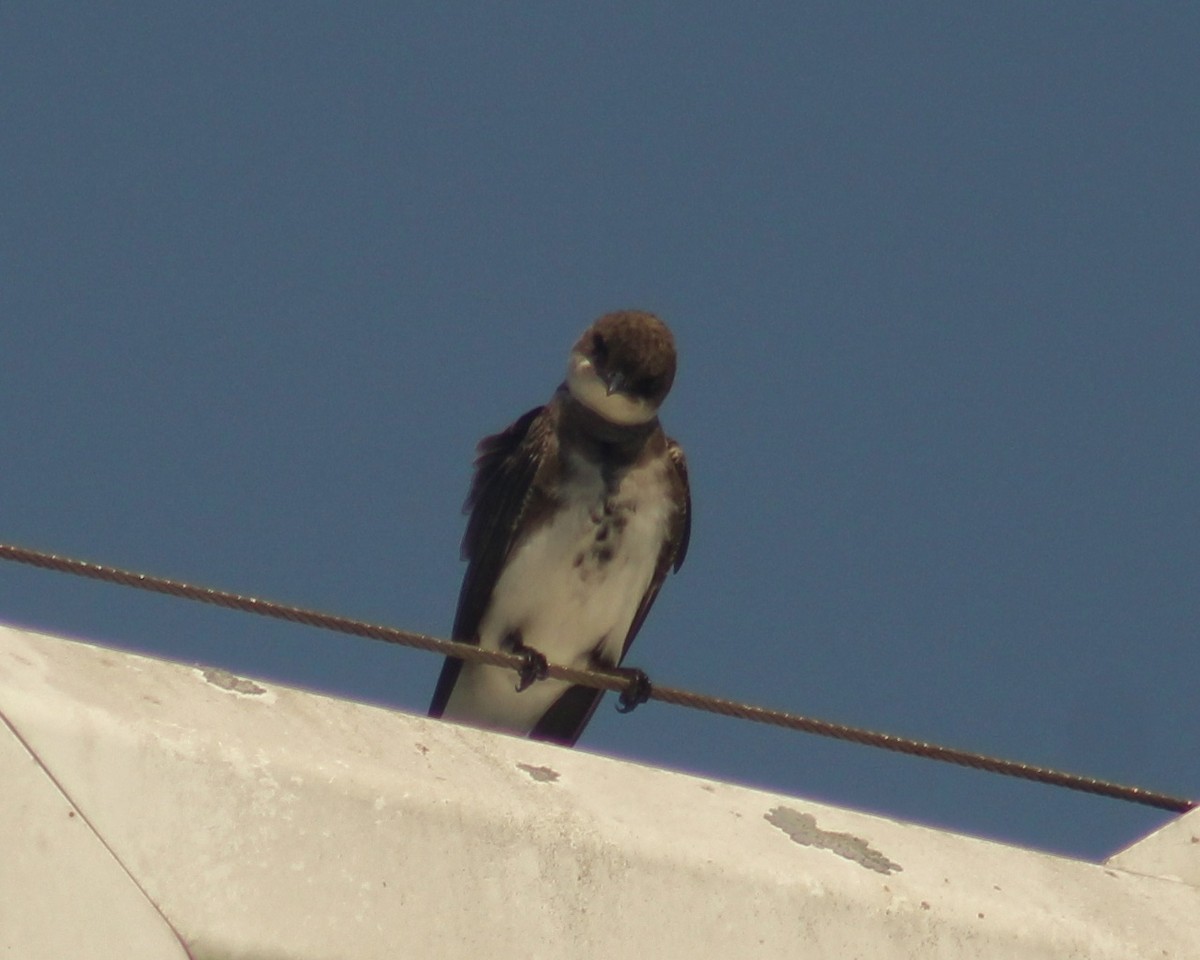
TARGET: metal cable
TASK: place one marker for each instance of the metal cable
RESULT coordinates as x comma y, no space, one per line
598,679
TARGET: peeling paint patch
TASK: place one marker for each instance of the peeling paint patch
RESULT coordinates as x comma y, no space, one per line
227,681
540,774
803,829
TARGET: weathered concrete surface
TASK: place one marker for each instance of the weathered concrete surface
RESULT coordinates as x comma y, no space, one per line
1172,852
62,892
264,822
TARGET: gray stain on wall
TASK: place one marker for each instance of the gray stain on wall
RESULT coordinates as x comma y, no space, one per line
803,829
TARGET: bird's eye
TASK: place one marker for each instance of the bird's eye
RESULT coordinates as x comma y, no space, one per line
599,348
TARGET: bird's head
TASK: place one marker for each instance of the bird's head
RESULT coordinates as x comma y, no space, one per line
623,366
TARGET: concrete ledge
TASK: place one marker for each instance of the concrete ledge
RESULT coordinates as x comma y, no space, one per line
62,892
257,821
1172,852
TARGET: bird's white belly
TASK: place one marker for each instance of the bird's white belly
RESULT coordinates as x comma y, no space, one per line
570,591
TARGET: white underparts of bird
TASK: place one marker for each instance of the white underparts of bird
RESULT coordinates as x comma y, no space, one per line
577,512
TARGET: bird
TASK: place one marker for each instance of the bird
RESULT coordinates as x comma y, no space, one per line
577,512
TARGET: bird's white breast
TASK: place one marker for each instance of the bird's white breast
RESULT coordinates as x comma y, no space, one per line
570,588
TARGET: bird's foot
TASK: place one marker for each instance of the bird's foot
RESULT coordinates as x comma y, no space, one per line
533,669
637,690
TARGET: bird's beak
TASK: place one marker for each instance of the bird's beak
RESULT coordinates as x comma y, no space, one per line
614,382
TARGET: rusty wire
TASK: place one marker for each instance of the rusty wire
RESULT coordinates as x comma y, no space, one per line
598,679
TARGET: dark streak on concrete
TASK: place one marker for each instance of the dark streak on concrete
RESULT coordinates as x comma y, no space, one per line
540,774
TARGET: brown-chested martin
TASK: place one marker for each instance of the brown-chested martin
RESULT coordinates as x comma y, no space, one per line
577,512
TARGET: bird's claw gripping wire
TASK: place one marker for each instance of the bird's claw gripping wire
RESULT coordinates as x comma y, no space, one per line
637,691
534,668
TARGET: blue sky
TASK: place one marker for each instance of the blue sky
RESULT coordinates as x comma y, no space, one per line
268,272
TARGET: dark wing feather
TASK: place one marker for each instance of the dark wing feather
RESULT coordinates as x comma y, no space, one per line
675,452
565,720
505,468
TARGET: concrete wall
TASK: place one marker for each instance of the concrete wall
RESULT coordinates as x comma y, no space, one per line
155,810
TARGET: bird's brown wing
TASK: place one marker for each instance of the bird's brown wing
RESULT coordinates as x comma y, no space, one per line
502,492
